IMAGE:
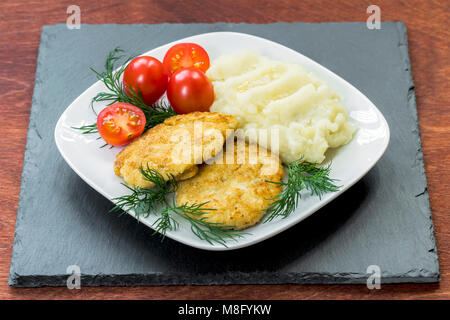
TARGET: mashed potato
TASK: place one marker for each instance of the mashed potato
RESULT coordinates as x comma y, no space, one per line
265,94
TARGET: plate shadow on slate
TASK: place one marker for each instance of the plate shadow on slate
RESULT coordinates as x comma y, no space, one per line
383,220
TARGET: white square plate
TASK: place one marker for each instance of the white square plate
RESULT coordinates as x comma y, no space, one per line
349,163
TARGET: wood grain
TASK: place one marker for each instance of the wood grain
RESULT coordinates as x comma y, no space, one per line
428,32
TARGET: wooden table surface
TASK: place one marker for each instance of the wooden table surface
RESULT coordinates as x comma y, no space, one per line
428,33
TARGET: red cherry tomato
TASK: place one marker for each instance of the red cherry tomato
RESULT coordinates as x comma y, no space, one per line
145,75
185,55
190,90
120,123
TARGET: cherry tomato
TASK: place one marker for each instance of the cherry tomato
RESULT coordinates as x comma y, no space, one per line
120,123
190,90
145,75
185,55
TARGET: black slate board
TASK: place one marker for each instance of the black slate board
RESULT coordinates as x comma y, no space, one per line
383,220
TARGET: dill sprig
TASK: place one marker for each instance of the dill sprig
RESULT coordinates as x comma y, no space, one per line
87,129
146,201
154,114
302,175
204,230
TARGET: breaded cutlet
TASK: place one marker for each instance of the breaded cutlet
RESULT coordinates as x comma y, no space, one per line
175,147
238,191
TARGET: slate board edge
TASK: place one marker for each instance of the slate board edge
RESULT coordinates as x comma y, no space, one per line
31,128
239,278
412,105
17,280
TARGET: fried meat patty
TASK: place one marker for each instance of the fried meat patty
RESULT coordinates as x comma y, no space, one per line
175,147
238,191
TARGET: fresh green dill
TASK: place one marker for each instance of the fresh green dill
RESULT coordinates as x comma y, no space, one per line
203,229
87,129
164,222
302,175
146,201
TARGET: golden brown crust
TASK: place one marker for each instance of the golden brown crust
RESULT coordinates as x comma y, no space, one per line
174,147
238,191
